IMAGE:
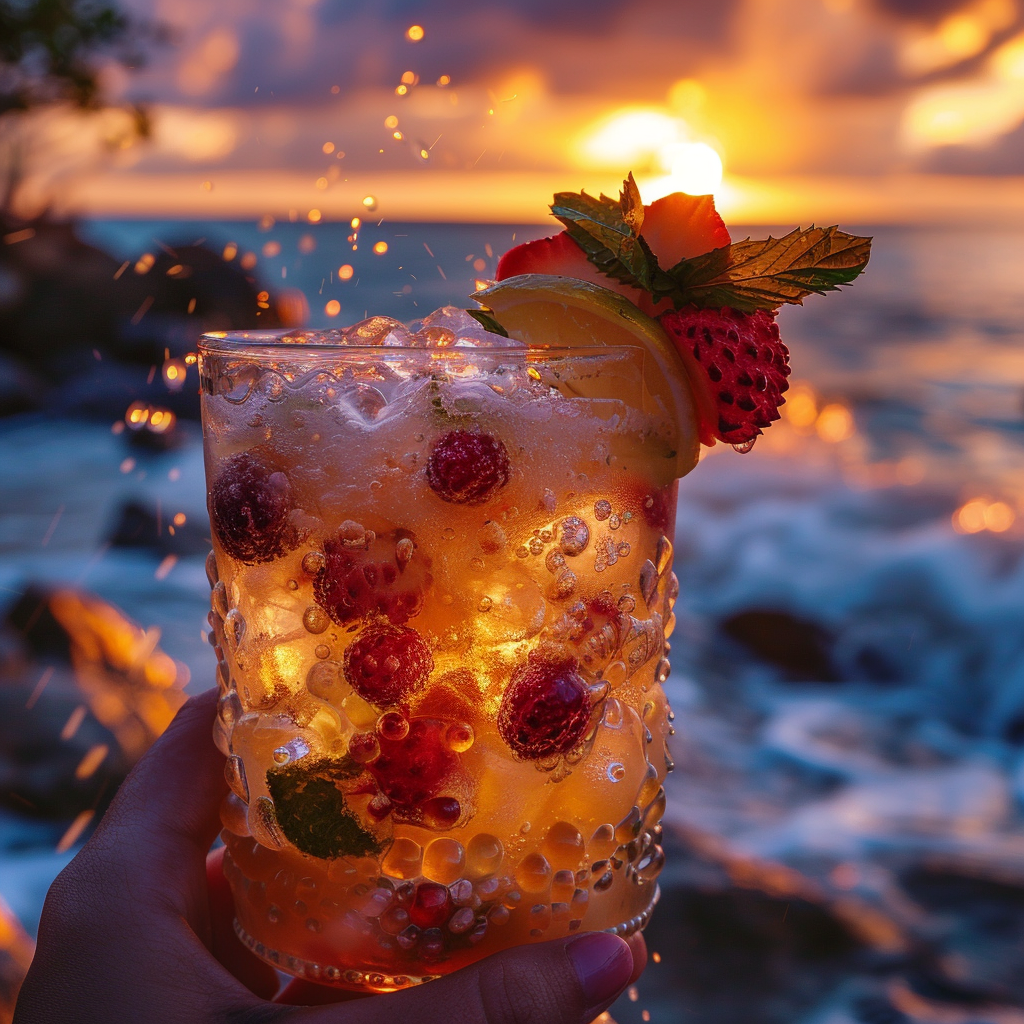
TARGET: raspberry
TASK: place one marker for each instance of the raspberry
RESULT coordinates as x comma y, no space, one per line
387,663
431,906
413,770
739,364
249,506
545,710
466,468
356,582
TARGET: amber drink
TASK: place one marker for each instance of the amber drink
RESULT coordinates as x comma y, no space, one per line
441,589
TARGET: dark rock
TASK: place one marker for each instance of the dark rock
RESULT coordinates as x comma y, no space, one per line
138,525
34,622
84,692
21,390
799,647
98,333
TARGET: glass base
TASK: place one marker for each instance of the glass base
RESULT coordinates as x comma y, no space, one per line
373,981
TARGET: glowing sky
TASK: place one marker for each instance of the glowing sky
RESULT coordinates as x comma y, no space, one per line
580,88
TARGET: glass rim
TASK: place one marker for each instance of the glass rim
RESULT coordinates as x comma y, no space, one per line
269,343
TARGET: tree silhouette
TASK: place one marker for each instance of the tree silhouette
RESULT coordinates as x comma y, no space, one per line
51,53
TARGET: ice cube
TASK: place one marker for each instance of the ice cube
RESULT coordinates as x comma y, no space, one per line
452,327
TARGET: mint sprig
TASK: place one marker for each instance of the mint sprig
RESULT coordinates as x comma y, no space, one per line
609,233
763,274
747,275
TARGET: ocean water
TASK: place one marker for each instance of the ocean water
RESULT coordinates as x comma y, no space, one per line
884,515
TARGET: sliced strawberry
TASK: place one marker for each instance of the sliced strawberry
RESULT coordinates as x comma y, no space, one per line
676,227
679,227
738,367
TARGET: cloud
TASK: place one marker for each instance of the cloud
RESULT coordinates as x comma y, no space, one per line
787,85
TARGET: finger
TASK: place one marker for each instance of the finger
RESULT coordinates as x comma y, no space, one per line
257,976
638,947
561,982
157,832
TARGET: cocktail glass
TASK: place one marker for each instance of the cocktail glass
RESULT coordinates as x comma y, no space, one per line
441,590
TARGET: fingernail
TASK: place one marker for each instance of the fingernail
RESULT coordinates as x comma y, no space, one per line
603,964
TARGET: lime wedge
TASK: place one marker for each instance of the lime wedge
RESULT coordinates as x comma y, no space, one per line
546,310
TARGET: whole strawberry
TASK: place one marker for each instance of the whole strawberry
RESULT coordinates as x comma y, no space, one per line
738,366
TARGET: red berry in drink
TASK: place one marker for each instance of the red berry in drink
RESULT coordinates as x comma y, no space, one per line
467,468
386,664
739,367
545,710
431,906
356,582
249,505
413,770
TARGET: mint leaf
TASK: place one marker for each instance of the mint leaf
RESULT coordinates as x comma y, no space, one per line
609,233
312,812
751,275
485,318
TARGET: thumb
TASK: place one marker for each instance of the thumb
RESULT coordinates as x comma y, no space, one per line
562,982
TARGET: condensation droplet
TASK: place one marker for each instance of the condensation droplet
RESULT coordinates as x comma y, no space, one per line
313,562
602,510
744,447
234,625
616,771
661,673
448,533
536,545
322,651
315,619
623,549
293,585
522,551
614,522
485,604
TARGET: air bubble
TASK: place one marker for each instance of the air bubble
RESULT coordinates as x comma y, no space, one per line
484,854
325,680
443,861
403,551
313,562
403,860
564,586
555,561
315,619
459,737
393,725
534,873
574,535
363,747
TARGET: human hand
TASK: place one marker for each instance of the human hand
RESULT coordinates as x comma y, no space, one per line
138,927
